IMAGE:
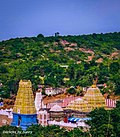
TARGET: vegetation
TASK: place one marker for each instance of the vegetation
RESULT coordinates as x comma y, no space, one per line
10,131
32,58
40,131
105,123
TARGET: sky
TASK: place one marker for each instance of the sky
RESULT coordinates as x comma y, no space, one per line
26,18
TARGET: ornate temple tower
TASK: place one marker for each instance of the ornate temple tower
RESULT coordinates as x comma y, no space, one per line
94,98
79,105
24,112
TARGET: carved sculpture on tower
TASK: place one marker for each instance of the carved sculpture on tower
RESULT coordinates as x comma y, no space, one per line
24,112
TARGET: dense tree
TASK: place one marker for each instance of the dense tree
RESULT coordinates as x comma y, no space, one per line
29,58
105,123
48,131
78,132
10,131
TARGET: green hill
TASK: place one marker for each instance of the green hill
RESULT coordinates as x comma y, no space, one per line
79,58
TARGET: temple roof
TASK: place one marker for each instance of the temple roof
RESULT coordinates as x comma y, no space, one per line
94,98
78,104
56,108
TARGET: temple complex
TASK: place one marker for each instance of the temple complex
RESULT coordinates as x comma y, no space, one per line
24,112
69,111
91,100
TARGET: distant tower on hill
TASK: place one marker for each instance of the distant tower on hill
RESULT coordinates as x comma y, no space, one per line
24,112
57,34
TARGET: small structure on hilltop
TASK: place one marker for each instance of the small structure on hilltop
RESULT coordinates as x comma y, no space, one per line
24,112
57,34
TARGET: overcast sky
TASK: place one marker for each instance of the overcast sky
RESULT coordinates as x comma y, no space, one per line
20,18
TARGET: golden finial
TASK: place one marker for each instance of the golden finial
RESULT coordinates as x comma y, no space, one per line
95,82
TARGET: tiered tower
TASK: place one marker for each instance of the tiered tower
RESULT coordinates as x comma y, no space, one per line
94,98
79,105
24,112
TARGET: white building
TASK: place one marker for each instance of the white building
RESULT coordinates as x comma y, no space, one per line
38,101
7,112
43,117
54,91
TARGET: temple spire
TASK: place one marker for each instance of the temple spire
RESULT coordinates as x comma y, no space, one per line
24,112
95,82
24,103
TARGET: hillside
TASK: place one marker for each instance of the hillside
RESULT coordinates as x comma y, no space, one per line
79,59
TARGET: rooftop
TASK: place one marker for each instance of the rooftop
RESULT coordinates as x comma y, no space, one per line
56,108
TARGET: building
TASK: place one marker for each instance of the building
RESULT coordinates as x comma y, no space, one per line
38,100
79,105
94,98
7,112
5,116
110,103
56,113
24,112
5,120
57,34
54,91
43,117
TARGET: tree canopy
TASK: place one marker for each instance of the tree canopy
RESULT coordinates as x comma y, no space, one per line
85,56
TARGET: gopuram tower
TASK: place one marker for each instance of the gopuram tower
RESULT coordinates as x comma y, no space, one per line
24,112
94,97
